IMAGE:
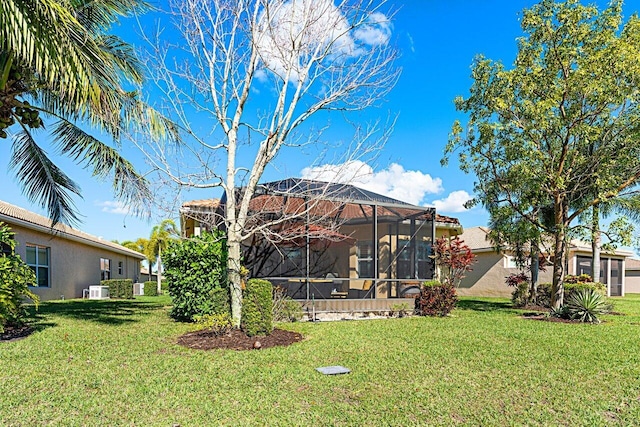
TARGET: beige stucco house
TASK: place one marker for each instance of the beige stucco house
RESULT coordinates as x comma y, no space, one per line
66,260
492,268
333,241
632,276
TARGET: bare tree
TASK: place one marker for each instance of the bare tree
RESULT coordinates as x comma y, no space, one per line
303,58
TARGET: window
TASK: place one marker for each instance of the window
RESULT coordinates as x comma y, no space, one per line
365,259
38,260
105,269
423,262
120,268
510,262
425,270
404,259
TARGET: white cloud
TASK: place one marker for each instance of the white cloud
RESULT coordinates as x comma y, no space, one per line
376,31
454,202
290,34
395,181
114,207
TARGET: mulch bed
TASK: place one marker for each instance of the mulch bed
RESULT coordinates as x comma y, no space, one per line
237,340
13,333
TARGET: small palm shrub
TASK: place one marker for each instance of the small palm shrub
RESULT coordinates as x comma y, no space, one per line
586,305
435,299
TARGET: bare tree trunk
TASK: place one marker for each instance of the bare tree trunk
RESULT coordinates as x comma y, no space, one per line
596,244
233,275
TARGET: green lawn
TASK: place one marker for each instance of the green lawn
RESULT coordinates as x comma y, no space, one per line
116,363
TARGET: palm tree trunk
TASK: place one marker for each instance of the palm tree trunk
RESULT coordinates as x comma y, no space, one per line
158,276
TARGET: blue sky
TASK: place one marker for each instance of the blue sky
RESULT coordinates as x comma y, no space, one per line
437,40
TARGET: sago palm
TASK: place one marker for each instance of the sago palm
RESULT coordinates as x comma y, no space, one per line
56,60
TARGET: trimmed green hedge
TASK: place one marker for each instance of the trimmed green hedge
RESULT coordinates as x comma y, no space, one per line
119,288
151,289
544,290
257,307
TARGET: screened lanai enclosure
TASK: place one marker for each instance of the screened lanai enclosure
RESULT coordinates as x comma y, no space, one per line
325,241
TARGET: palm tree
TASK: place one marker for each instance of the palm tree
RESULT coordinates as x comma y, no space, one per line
140,245
161,234
57,61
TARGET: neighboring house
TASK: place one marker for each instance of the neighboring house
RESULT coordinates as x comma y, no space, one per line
66,260
632,276
332,241
492,268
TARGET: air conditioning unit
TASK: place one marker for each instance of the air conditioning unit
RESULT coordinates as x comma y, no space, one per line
138,289
98,292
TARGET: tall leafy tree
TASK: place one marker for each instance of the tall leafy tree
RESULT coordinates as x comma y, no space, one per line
573,90
58,61
160,237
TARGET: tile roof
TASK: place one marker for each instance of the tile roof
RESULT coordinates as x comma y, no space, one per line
265,203
476,238
13,214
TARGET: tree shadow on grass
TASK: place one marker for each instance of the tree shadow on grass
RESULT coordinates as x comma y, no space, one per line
107,312
481,305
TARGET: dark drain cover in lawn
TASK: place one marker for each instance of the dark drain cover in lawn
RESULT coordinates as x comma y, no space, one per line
237,340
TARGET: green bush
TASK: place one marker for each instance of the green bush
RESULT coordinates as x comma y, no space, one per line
195,271
520,294
151,289
257,307
435,299
543,296
572,279
164,287
217,324
119,288
571,288
15,278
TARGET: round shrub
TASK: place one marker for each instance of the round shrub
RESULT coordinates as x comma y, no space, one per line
435,299
257,307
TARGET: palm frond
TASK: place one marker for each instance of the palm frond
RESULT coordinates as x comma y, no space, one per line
42,181
104,161
96,15
122,55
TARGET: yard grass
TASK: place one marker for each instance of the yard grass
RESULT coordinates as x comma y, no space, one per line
116,363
